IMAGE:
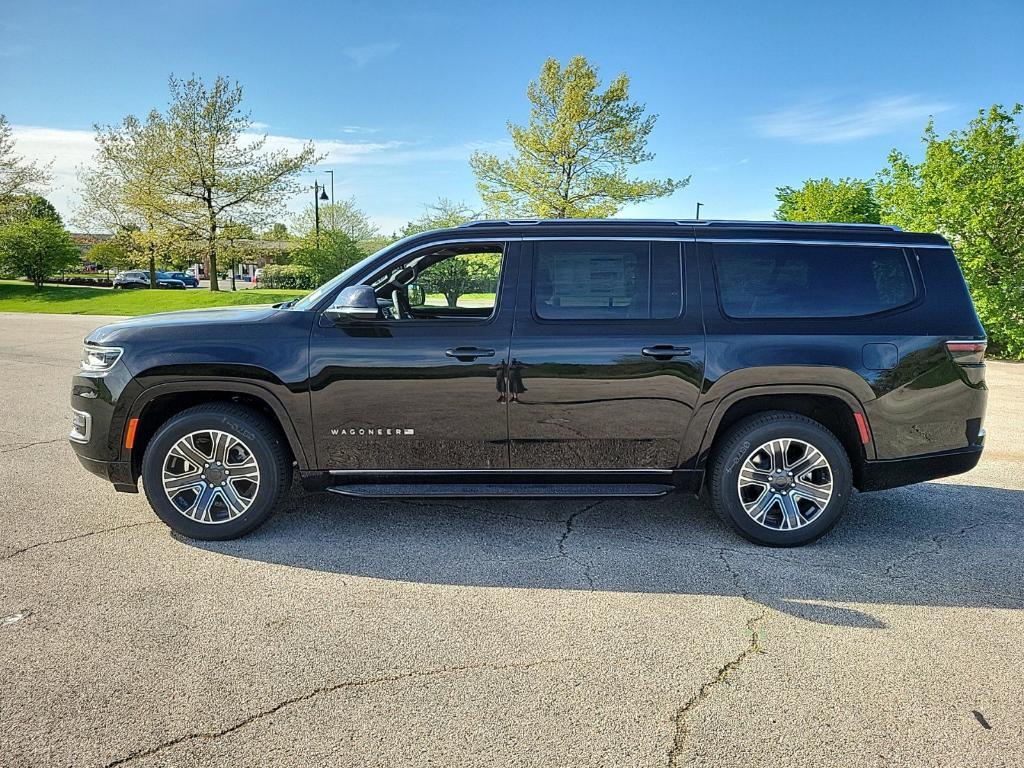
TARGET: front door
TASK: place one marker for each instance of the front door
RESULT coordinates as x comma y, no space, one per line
418,387
607,355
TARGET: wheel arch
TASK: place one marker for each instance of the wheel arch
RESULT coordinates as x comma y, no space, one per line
832,407
155,405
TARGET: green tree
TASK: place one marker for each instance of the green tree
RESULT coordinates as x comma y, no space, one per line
215,170
443,214
17,177
36,249
119,191
335,253
277,231
846,201
970,188
344,215
458,275
573,157
112,254
27,206
194,167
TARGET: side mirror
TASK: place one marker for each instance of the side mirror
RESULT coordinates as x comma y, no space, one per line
416,294
357,302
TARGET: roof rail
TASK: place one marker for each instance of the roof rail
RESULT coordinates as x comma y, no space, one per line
680,222
776,223
494,222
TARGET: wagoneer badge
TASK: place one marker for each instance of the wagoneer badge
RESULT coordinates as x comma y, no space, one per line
368,431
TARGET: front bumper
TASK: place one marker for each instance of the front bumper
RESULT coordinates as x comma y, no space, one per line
117,472
99,405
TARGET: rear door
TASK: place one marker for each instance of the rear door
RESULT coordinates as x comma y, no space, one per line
607,354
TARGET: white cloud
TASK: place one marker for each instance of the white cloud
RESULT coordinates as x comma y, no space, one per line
358,129
825,122
362,55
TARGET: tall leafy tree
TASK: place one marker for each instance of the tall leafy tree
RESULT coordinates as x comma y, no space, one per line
846,200
970,188
36,249
120,191
574,156
18,176
191,169
344,215
217,169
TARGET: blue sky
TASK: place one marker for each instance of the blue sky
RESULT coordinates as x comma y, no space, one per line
750,95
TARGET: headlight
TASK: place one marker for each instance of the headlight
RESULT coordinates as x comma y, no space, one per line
100,359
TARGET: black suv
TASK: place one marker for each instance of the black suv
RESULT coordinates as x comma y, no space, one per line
777,365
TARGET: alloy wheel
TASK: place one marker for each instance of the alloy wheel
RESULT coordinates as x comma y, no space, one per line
785,484
211,476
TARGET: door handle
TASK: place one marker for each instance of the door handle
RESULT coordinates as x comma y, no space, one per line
665,351
468,354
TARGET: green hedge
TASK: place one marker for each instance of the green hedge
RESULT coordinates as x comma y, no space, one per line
292,276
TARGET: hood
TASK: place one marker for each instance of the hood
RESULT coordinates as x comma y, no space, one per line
176,323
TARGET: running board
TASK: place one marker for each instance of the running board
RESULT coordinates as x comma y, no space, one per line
501,490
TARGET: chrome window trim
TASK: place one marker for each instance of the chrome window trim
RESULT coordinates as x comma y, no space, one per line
77,437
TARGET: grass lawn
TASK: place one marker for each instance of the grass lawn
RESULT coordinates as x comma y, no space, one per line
18,296
465,300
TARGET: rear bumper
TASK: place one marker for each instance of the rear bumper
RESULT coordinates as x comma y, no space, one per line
892,473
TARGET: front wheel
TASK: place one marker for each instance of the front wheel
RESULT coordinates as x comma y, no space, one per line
216,471
781,479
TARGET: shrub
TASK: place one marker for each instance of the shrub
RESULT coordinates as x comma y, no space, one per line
293,276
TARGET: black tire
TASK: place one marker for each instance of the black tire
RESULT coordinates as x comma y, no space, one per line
742,441
263,439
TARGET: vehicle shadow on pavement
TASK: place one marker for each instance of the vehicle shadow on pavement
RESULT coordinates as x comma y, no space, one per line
935,544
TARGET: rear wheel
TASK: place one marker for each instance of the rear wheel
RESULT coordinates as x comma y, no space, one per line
781,479
216,471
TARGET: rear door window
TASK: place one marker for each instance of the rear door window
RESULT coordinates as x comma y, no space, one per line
607,280
806,281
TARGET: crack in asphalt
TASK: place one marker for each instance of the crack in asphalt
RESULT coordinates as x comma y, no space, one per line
721,676
30,547
754,628
12,447
322,690
569,522
938,542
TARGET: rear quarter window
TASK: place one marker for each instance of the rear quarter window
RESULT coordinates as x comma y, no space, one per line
761,281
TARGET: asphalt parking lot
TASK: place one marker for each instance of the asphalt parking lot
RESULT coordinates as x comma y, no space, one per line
355,633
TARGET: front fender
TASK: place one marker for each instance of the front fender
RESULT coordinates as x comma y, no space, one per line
243,385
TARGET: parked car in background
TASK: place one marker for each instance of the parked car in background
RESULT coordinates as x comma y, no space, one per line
777,366
140,279
188,279
256,276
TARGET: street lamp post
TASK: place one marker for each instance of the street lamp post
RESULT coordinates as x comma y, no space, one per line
698,210
319,193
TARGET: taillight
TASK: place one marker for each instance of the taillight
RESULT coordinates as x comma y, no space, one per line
967,352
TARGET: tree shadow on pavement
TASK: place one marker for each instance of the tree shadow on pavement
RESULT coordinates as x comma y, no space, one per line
935,544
